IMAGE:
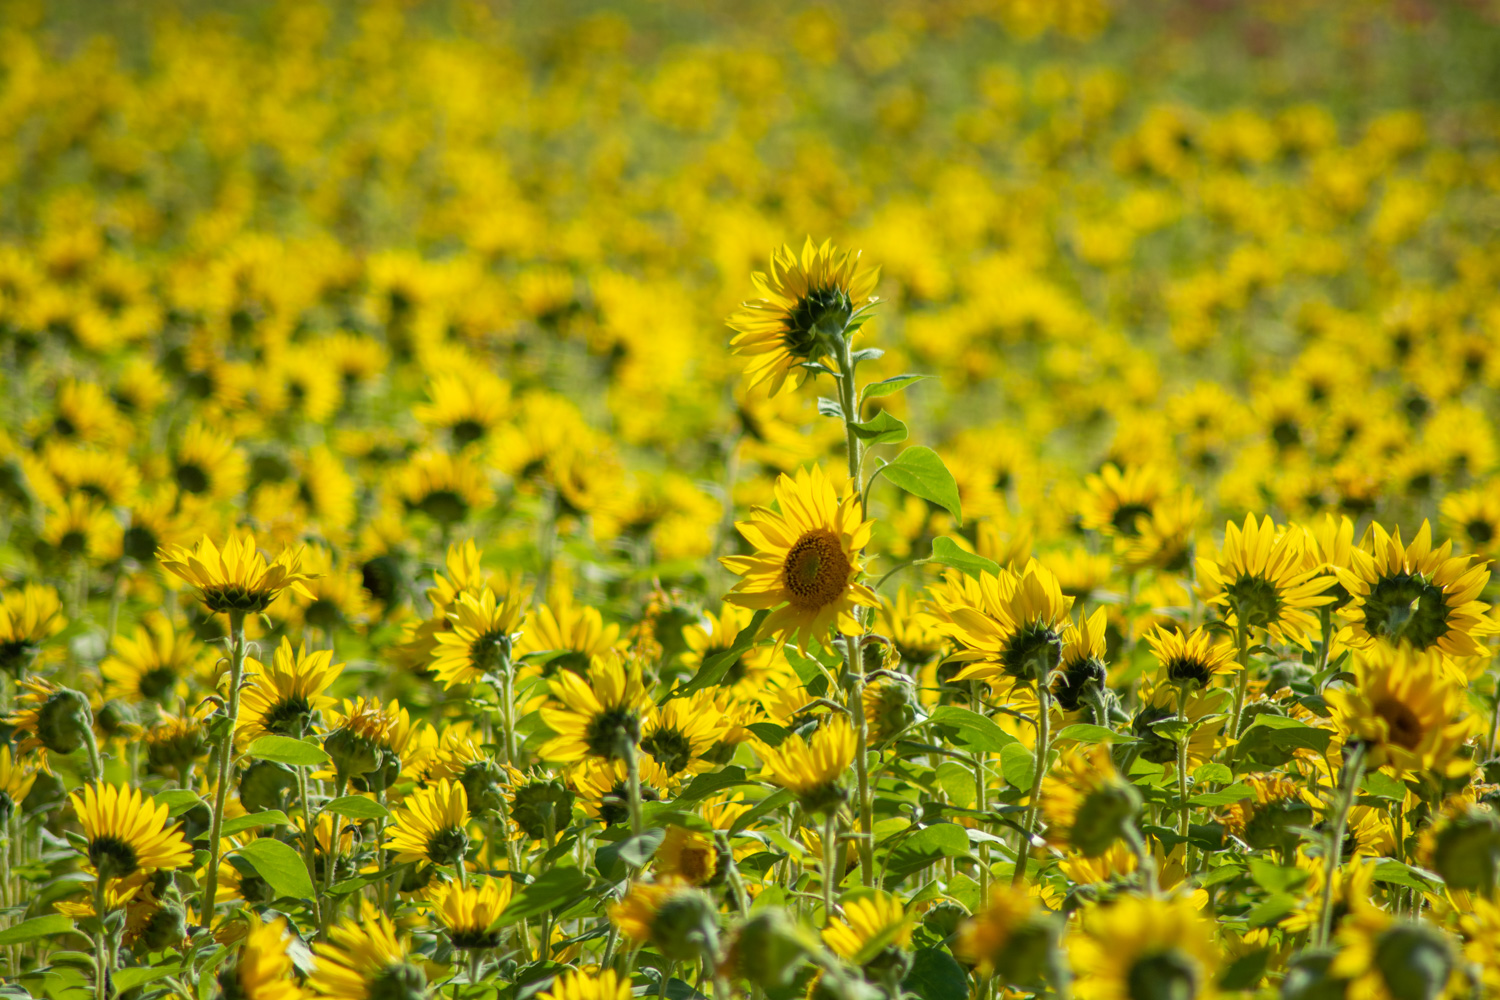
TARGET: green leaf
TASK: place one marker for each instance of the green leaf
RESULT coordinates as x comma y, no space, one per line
957,782
1283,733
269,817
889,386
715,667
919,471
37,927
941,840
1213,773
1224,796
357,807
881,429
830,408
554,888
766,805
934,973
1274,878
281,867
1018,765
178,801
285,750
975,731
1383,786
1245,972
611,859
1085,733
705,785
1173,730
869,353
946,552
1420,879
127,979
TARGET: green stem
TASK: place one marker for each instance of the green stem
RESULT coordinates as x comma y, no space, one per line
102,965
1033,802
225,759
309,839
981,802
633,768
508,710
1182,764
330,863
830,845
1353,773
1242,644
855,671
96,762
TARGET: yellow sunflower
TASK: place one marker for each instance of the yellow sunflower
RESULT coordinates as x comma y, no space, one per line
603,787
431,825
1384,958
806,560
671,916
1000,938
747,675
597,717
15,783
806,306
686,855
1407,708
1082,673
263,969
1474,516
1114,500
29,616
1191,659
281,699
238,579
207,463
576,984
812,767
471,914
679,734
1137,947
363,959
1085,802
483,632
876,921
446,488
1006,626
155,665
1416,594
127,832
1260,580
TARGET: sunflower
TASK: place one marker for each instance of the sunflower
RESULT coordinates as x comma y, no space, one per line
1327,547
155,665
1474,516
1085,801
673,917
603,787
915,639
237,580
751,671
1407,708
480,643
867,926
539,805
206,463
1139,947
679,734
15,784
359,737
1204,708
1114,500
806,560
576,984
1006,626
1082,672
281,699
338,597
1191,659
1008,936
363,959
126,832
575,631
444,487
263,969
431,825
471,914
82,527
806,308
889,705
467,406
1416,594
1384,958
1260,580
1164,537
688,856
176,742
811,768
1269,821
597,717
49,719
29,616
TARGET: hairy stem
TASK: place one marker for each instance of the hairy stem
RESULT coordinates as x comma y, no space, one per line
225,758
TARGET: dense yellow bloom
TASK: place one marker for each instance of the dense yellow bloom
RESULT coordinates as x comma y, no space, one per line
363,959
281,698
1006,626
154,665
812,767
470,914
263,969
482,637
1191,658
600,716
238,579
29,616
1407,708
579,985
127,832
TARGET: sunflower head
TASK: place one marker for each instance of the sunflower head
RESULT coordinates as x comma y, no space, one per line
262,969
1191,659
1147,948
597,717
282,697
871,930
1407,709
577,984
1082,679
812,767
540,805
237,580
470,914
479,644
431,825
1260,579
363,959
1007,626
890,705
126,832
689,856
1012,938
1085,801
28,617
676,919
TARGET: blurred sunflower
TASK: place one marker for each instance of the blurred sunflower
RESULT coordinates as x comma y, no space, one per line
679,734
813,767
1406,708
262,968
867,926
470,914
1138,947
1191,659
363,959
576,984
155,665
484,630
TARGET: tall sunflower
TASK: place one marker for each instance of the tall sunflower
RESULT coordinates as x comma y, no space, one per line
1260,580
806,560
806,304
127,832
238,579
1139,947
1416,594
483,632
1006,626
597,717
363,959
1407,708
811,768
603,787
431,825
281,699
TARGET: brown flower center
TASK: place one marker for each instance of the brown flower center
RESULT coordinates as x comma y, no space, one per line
1402,725
816,570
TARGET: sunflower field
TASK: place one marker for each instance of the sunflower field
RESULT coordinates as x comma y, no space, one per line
930,498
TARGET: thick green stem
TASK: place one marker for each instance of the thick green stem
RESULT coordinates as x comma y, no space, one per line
1242,645
225,759
830,852
981,802
309,839
855,671
102,964
508,710
1182,765
1353,773
1033,802
633,769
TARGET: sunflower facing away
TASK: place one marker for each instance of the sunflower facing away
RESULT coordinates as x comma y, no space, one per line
1005,626
470,913
238,579
597,717
1260,580
806,305
869,924
431,825
1191,659
679,734
483,631
806,560
280,699
127,832
363,959
812,767
1138,947
263,970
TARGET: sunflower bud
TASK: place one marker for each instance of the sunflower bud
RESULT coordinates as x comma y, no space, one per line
944,918
1103,817
1414,961
165,928
115,717
768,950
685,927
353,753
399,982
1167,975
266,785
542,808
1466,851
890,706
64,721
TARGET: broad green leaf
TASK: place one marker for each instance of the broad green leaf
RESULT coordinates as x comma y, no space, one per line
1018,765
269,817
941,840
934,973
128,979
1224,796
974,731
282,867
888,386
285,750
37,927
1282,733
554,888
1420,879
946,552
882,428
957,782
1213,773
705,785
1086,733
1383,786
919,471
357,807
715,667
612,859
178,801
1274,878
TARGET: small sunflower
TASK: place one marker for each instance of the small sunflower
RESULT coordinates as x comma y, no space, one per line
750,672
687,855
1474,516
363,959
806,560
1007,626
890,705
603,787
444,487
29,616
262,969
597,717
869,925
127,832
238,579
1114,500
576,984
155,665
467,406
176,743
576,631
483,631
676,919
807,305
1138,947
471,914
281,699
1082,673
431,825
1260,580
207,463
1191,659
811,768
1407,708
15,783
680,734
1416,594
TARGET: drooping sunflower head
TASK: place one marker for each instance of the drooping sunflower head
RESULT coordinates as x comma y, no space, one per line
1407,709
49,719
237,580
470,914
280,699
808,305
597,717
890,705
431,825
1007,627
363,959
812,767
127,832
806,562
29,616
868,926
1416,594
1260,580
262,969
1135,948
479,646
540,806
680,734
676,919
1191,659
176,743
359,740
